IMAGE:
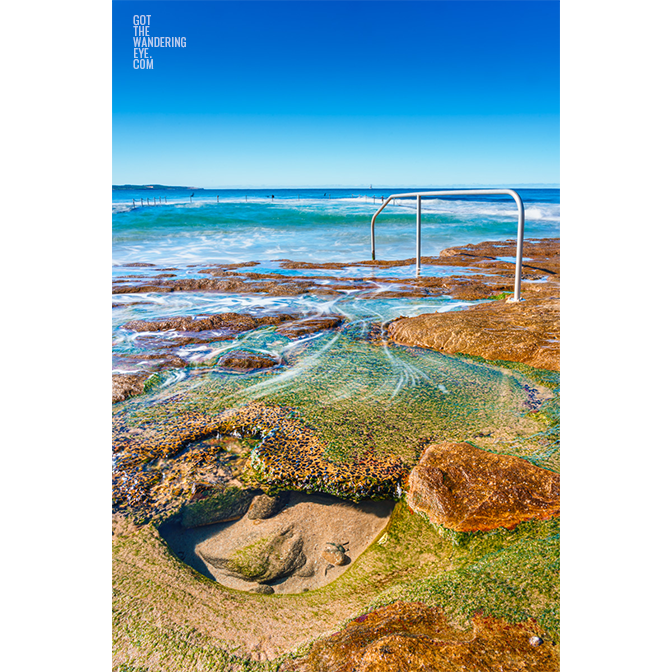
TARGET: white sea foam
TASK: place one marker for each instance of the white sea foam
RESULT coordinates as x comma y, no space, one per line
315,229
368,204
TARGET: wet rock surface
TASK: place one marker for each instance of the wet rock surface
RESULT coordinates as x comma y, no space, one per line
409,636
231,322
491,261
127,385
242,360
162,343
467,489
310,325
526,331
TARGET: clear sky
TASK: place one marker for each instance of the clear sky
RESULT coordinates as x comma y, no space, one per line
319,93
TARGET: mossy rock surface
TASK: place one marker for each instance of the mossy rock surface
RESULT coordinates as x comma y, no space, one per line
264,506
264,559
218,507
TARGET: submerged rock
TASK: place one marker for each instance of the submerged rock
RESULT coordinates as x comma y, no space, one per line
412,636
310,325
334,554
217,506
468,489
263,556
244,360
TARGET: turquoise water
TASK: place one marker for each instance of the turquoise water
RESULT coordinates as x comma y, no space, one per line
311,225
183,233
149,306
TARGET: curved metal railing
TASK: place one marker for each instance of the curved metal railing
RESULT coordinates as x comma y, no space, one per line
459,192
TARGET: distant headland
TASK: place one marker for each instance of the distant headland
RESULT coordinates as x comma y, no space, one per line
138,187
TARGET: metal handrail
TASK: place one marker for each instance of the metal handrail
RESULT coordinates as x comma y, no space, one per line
459,192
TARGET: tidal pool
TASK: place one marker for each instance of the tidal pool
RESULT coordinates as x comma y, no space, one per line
344,412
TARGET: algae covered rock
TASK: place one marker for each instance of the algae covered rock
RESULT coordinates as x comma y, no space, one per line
412,636
127,385
261,557
264,506
217,506
468,489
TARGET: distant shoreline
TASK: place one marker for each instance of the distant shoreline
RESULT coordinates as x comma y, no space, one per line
139,187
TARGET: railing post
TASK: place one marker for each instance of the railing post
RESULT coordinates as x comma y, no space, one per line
458,192
373,239
418,223
519,246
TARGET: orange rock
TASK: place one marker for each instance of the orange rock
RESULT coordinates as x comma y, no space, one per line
527,332
468,489
407,636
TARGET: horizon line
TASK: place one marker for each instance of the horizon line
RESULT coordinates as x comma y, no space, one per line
485,185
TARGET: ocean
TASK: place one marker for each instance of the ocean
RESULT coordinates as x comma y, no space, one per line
182,236
194,239
236,368
317,225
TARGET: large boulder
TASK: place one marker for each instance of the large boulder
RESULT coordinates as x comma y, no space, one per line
468,489
260,557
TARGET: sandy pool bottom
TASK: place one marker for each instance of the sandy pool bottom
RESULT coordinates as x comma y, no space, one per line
318,520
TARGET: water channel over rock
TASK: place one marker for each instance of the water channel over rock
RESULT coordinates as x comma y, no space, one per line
338,410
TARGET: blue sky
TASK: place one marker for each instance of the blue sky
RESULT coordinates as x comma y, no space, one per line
325,93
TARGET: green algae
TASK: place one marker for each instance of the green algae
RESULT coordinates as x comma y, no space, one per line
541,447
501,296
516,582
361,399
252,561
511,574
